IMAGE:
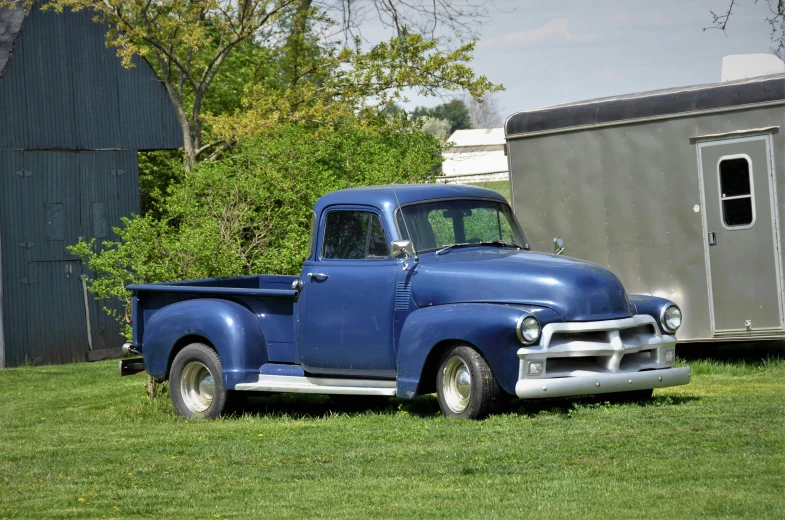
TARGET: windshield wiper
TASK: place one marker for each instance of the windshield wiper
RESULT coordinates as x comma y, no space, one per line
495,243
501,243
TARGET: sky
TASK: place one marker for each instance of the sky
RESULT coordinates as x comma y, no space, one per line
551,52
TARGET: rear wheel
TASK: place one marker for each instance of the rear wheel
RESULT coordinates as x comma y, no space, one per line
465,384
196,385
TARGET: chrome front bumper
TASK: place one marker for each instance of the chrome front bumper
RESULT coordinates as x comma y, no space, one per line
586,358
601,383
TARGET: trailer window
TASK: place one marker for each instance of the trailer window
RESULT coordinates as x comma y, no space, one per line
736,193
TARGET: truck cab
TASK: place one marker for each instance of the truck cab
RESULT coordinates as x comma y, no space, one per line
408,290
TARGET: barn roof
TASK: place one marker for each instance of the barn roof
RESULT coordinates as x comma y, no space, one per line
12,18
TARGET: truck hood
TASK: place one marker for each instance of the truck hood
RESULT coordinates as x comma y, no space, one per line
576,289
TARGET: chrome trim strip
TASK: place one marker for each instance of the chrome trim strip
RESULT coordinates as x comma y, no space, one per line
601,383
318,385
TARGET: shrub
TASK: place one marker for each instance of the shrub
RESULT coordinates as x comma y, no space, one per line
249,212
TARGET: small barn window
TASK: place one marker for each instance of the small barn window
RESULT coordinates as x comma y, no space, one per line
736,192
55,221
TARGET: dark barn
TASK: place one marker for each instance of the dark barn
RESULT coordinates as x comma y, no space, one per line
72,120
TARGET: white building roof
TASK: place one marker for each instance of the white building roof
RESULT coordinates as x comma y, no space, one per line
477,137
475,152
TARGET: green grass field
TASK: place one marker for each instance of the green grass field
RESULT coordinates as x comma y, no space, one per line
79,442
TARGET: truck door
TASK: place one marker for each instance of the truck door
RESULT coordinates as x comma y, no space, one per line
346,321
741,242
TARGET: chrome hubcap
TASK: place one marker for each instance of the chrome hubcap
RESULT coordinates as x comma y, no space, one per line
456,384
196,387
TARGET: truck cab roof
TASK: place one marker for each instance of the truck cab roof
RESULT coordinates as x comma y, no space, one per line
391,196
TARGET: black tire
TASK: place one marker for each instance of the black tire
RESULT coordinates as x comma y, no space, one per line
629,397
195,371
483,396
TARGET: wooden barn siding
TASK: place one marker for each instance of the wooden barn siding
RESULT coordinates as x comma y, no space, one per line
63,94
63,88
42,213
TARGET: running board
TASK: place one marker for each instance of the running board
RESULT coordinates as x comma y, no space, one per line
318,385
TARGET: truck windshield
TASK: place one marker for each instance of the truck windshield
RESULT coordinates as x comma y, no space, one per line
437,224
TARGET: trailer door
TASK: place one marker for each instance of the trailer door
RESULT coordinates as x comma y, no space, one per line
740,235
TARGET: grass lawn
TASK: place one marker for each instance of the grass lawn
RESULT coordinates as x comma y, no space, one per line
79,442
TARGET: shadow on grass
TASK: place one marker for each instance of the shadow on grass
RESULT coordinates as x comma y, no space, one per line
563,406
748,353
299,406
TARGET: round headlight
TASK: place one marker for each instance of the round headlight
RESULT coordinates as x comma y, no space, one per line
671,318
528,329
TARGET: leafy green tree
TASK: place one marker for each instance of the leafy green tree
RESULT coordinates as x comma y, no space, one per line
249,212
190,43
455,111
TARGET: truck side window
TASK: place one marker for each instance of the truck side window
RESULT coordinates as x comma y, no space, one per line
354,235
736,192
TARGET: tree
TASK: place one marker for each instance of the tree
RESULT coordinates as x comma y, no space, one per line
455,111
250,212
438,128
189,42
775,19
484,113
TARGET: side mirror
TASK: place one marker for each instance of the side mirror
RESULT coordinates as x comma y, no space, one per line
558,245
402,249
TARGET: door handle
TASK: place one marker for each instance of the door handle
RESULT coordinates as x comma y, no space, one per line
712,238
317,276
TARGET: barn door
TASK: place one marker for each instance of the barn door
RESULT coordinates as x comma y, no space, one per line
110,190
56,312
740,237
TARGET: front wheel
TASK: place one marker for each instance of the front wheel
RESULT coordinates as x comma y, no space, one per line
465,384
196,385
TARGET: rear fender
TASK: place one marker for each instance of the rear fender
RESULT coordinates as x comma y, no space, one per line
232,329
490,328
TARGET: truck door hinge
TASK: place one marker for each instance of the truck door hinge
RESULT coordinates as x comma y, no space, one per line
26,245
118,173
29,281
24,173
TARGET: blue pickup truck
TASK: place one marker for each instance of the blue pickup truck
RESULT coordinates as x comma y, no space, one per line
408,290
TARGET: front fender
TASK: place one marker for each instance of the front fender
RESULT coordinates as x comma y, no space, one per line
233,330
651,305
489,327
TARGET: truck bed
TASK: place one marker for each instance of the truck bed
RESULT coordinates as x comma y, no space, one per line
271,298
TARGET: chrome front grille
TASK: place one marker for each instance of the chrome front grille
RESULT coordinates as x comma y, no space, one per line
585,348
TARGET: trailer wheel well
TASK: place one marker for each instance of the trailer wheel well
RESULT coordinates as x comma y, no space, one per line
181,344
431,367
